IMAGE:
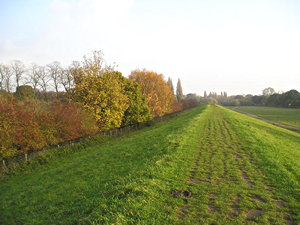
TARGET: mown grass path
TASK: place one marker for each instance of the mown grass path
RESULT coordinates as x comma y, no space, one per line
232,184
207,166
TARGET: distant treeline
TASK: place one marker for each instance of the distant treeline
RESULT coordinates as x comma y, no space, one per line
289,99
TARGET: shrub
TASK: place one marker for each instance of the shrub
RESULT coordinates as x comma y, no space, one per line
30,124
189,103
177,106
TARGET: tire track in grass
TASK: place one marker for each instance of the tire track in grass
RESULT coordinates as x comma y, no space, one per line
226,183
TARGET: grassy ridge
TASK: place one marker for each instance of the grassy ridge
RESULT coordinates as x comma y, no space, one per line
208,165
125,180
275,152
247,171
282,115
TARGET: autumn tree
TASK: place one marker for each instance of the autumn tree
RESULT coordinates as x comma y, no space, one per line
103,95
24,91
138,110
179,93
156,91
96,64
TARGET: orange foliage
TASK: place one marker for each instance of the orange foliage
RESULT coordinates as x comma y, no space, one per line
31,124
156,90
177,106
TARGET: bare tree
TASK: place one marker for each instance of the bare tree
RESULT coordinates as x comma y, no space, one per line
18,69
67,81
95,63
34,75
44,79
6,75
76,71
54,71
2,77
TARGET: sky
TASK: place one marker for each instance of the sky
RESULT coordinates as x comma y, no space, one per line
238,46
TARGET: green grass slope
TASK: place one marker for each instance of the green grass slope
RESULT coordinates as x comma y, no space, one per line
246,172
125,180
208,165
282,115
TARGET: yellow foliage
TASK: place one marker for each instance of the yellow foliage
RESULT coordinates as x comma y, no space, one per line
103,95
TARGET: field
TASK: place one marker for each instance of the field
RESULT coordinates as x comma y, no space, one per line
208,165
282,115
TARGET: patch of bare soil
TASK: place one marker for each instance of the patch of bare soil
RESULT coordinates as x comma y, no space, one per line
250,184
237,156
216,182
211,209
235,203
253,213
177,193
195,181
244,175
269,187
212,195
183,212
279,203
259,199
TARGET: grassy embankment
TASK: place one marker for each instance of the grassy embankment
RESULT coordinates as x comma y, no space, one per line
281,115
204,166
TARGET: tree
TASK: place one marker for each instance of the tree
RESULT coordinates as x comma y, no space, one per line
290,98
170,84
44,80
24,91
179,93
192,96
6,75
138,110
34,75
156,91
54,71
95,63
268,91
67,80
104,97
18,69
2,76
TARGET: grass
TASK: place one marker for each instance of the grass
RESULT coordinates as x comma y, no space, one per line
282,115
208,165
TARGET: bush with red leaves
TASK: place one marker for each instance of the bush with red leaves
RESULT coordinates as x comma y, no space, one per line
31,124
